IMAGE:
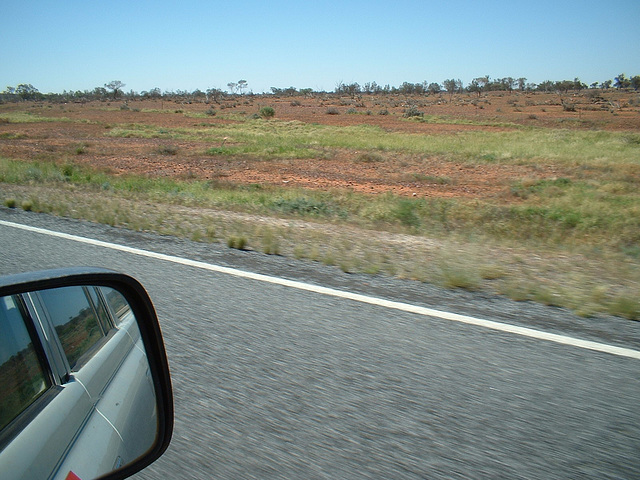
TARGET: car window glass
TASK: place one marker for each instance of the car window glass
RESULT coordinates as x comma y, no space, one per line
74,319
22,377
117,303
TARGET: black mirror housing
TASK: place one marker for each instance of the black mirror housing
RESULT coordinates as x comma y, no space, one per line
147,322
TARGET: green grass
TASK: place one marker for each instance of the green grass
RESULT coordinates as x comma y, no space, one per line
30,117
293,139
446,120
12,136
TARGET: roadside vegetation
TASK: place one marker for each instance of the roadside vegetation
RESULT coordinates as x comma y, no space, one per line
565,234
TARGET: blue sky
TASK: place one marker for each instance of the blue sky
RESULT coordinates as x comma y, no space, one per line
79,45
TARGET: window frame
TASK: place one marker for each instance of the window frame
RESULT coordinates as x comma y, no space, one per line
49,337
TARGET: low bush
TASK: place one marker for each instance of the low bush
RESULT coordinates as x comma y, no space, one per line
405,212
302,206
369,157
167,150
412,111
239,243
267,112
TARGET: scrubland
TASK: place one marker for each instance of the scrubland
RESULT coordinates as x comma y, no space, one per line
512,194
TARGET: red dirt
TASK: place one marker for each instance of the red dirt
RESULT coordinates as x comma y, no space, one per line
400,174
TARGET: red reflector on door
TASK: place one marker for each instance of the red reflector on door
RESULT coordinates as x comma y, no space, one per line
72,476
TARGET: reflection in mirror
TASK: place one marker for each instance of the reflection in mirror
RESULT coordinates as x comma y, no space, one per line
77,398
21,374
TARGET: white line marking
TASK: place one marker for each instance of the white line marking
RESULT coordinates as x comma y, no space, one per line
405,307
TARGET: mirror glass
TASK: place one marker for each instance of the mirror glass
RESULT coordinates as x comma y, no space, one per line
77,397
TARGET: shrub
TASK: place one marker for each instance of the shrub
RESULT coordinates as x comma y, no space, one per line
10,202
369,157
239,243
405,212
167,150
626,306
267,112
211,112
430,179
352,111
210,234
454,276
632,139
302,206
222,150
383,112
68,170
412,111
35,173
270,243
333,111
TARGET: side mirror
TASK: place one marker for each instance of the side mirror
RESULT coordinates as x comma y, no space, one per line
85,386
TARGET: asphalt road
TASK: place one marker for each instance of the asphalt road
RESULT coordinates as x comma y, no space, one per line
276,382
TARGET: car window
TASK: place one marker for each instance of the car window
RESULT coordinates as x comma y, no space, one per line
117,303
22,376
101,311
74,319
